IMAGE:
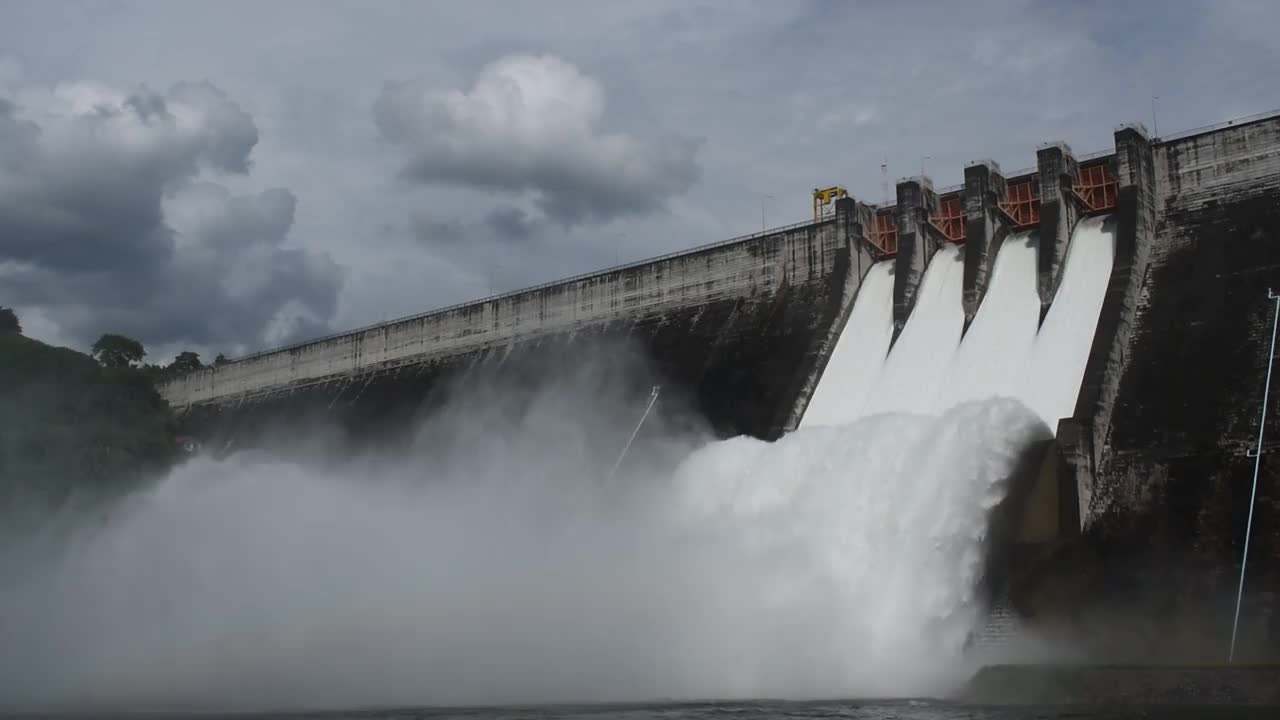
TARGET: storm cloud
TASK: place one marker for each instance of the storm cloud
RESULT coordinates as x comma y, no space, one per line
531,124
111,220
534,135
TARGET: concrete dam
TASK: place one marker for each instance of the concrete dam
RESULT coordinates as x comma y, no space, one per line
1137,280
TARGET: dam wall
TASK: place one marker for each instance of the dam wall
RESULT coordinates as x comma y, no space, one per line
740,327
1149,482
1160,449
1177,394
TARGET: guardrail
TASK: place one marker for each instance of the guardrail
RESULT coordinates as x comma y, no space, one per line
741,238
533,288
1244,120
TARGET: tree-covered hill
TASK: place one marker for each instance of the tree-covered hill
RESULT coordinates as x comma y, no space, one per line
69,425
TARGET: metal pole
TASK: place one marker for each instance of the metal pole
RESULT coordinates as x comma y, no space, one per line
1257,463
653,398
1155,126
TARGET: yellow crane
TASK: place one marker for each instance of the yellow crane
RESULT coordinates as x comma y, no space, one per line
823,198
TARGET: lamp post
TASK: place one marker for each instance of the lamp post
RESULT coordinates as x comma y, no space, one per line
762,199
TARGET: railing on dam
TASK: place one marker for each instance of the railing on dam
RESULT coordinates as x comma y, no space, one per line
878,232
1244,120
540,286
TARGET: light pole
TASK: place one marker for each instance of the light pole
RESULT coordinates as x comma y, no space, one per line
617,248
1155,127
922,159
762,199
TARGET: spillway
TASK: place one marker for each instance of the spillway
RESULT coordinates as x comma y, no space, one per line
995,348
856,360
883,496
1005,353
1051,376
913,373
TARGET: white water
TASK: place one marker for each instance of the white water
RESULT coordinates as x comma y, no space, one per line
859,352
992,357
826,564
1003,354
913,375
1051,377
840,560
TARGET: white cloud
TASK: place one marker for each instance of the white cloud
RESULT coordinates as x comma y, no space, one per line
532,124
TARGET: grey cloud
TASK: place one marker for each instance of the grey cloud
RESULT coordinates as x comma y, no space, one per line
790,96
106,226
506,224
512,224
227,132
531,124
429,230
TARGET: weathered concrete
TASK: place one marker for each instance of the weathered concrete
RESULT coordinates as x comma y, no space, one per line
984,187
916,245
1169,408
1058,216
740,327
853,221
1135,234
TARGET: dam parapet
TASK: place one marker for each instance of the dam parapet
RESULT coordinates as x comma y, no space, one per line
739,324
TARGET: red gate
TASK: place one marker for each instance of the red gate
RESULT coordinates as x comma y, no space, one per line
883,235
950,220
1021,204
1096,188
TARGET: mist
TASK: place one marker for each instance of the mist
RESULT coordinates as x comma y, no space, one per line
493,560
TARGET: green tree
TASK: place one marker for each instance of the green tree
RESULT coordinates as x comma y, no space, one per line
9,321
117,351
185,362
220,360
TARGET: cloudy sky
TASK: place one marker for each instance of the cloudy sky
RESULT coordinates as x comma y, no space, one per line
231,175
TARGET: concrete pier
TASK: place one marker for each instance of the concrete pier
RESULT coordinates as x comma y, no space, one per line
917,243
854,221
1058,216
984,188
1135,216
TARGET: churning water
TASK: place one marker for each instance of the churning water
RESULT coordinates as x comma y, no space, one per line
841,560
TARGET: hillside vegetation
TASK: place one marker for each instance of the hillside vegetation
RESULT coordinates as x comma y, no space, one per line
70,426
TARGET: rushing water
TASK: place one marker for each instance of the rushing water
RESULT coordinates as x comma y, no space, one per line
839,561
